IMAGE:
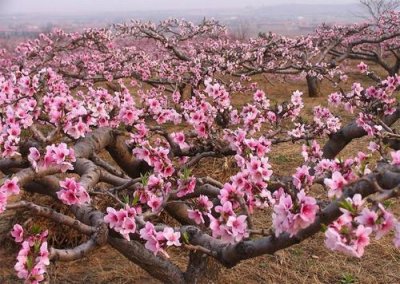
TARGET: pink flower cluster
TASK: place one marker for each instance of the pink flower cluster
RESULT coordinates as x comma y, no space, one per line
312,153
257,170
380,221
342,172
72,192
152,191
219,95
157,106
156,157
56,156
302,178
298,131
291,216
33,257
157,241
229,227
140,134
202,207
366,121
18,109
9,139
346,235
122,221
200,114
179,138
363,67
335,184
370,101
128,113
296,104
186,186
9,187
252,118
245,146
395,157
325,121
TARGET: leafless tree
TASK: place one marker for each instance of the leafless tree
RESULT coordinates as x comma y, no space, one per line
378,7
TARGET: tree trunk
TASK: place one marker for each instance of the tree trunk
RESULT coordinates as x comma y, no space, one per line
159,268
314,88
201,269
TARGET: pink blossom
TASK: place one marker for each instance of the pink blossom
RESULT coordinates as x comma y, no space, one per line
282,216
179,138
72,192
43,258
147,231
204,203
215,226
59,155
302,177
33,258
111,218
373,147
352,245
386,223
172,237
196,215
34,156
289,218
312,153
237,227
186,186
17,233
154,240
367,217
155,202
128,226
10,187
362,235
225,209
335,184
122,221
395,157
362,67
308,211
229,193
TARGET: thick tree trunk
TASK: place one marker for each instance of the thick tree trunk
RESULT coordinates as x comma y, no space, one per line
314,88
159,268
201,269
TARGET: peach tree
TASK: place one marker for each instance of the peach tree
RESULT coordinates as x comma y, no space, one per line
57,124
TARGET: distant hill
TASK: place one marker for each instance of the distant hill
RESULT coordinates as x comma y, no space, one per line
287,19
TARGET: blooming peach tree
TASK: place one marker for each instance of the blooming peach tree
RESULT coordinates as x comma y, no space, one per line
54,137
375,41
321,54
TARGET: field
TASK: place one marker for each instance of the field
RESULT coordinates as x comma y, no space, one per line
308,262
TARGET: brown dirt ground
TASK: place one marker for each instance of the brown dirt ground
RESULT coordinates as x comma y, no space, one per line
308,262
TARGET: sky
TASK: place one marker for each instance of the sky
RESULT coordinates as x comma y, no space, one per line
97,6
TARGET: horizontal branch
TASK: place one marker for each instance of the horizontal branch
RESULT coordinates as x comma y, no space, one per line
53,215
74,253
338,141
231,255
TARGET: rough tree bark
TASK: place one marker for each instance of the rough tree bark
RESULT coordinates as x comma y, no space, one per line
339,140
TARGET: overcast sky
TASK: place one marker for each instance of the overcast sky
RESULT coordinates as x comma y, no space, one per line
95,6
